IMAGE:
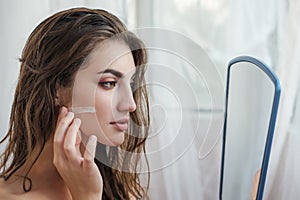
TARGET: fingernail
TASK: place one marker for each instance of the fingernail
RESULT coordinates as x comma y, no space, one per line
71,114
77,121
93,137
63,110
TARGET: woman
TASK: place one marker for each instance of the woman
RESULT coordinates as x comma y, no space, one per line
81,81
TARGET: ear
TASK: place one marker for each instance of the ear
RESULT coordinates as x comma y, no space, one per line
63,96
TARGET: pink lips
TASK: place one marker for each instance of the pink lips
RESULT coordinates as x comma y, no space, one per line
120,125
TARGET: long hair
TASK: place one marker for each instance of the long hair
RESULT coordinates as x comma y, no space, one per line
54,52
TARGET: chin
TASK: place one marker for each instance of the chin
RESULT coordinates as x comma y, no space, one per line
116,140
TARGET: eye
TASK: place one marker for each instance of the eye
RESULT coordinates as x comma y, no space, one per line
108,84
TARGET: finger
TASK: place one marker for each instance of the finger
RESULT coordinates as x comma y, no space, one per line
78,138
63,112
60,133
90,151
62,126
70,148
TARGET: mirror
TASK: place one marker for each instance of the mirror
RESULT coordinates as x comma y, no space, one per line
252,98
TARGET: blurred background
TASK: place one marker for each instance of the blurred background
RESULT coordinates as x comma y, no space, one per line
223,29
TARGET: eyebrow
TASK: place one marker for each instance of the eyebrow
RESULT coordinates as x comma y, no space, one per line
111,71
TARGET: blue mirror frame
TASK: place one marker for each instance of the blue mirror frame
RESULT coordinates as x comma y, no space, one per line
268,144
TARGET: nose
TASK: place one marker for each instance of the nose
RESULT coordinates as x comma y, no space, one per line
131,104
126,101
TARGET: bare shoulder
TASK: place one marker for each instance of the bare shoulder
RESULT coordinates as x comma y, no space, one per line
6,192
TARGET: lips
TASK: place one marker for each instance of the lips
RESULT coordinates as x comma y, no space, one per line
121,125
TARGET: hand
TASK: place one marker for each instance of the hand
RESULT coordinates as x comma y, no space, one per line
78,170
255,185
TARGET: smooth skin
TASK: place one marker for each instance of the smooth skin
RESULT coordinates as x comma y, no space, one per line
71,174
71,164
104,83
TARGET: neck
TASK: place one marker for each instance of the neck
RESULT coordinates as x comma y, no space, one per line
43,174
44,167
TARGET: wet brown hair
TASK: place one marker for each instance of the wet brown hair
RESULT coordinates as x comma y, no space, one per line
54,52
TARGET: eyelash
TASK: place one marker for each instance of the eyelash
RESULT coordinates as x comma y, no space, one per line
104,84
112,84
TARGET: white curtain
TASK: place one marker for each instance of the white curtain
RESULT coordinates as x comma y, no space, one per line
284,181
18,18
267,30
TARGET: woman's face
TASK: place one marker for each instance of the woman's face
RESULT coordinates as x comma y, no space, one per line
102,88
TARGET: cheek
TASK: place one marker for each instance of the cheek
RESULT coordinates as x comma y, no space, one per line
98,123
103,107
83,95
